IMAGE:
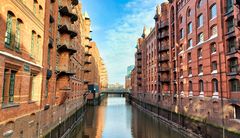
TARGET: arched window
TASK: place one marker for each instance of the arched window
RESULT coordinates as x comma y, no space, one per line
189,12
190,71
233,65
189,28
200,20
201,87
229,5
213,48
200,38
189,57
18,34
199,4
230,24
180,19
234,85
213,11
190,86
214,31
181,86
215,85
32,43
190,43
200,53
35,6
231,43
9,30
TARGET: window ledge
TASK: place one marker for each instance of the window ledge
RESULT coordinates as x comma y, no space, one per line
9,105
213,18
213,53
190,75
232,73
200,74
231,32
232,52
214,72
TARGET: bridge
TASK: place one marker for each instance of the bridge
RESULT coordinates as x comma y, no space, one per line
121,92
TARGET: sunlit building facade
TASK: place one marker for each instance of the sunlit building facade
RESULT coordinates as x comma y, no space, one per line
198,60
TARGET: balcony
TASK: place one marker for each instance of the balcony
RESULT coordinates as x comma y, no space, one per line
163,25
66,29
88,46
163,48
162,36
88,54
164,59
139,53
64,72
89,38
66,47
64,11
164,69
87,70
87,62
74,2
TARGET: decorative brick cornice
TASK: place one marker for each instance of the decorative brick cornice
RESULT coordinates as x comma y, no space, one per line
28,12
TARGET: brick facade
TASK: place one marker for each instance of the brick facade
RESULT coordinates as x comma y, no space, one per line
198,60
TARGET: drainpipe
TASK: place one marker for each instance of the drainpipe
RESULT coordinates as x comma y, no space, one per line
223,131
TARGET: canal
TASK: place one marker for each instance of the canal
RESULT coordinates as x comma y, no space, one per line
115,118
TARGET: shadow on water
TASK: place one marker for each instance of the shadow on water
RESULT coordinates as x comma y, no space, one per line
114,118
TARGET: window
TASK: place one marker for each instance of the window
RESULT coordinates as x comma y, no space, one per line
200,38
234,85
231,42
233,65
215,85
34,7
229,5
200,53
181,59
181,48
190,86
237,112
181,86
49,57
200,20
199,4
190,71
200,69
9,85
189,57
190,44
189,12
46,89
32,87
214,31
17,36
190,28
230,24
213,48
32,43
214,66
8,35
201,87
181,72
181,34
180,19
38,46
213,11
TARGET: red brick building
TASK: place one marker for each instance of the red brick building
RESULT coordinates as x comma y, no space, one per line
198,60
43,50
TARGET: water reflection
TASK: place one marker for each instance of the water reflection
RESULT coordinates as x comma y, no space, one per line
116,119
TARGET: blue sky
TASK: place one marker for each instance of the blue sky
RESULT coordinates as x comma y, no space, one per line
116,25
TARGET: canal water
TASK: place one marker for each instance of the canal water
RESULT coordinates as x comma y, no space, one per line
115,118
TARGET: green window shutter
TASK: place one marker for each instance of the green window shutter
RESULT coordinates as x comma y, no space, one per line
8,31
17,37
3,91
49,56
11,88
38,39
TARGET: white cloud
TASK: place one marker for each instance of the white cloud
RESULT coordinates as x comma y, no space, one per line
122,37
